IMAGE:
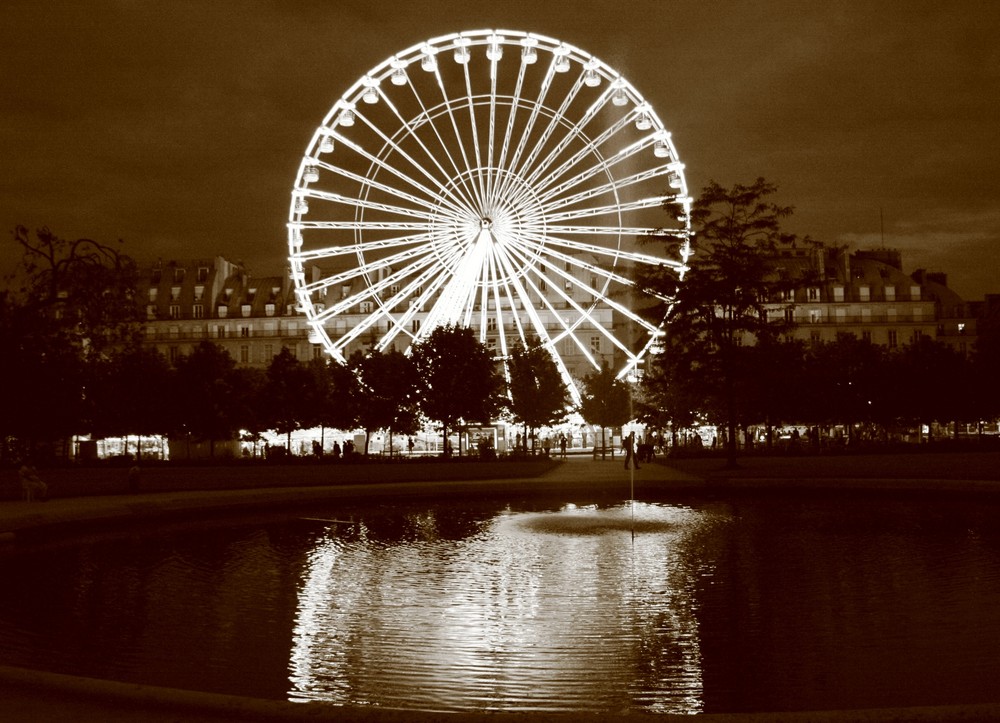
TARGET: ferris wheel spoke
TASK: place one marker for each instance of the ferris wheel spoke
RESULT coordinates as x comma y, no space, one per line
529,125
370,292
582,314
383,187
395,326
614,253
427,117
511,301
602,189
386,262
537,322
439,185
603,165
612,208
326,252
434,280
473,189
552,126
590,148
369,205
514,104
475,133
591,291
411,132
574,133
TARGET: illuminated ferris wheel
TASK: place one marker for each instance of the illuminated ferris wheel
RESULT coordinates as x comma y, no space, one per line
493,179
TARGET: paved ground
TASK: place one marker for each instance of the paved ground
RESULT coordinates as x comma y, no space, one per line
37,696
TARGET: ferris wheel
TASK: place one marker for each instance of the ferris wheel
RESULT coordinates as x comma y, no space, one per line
493,179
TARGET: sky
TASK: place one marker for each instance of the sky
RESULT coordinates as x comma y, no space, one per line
178,126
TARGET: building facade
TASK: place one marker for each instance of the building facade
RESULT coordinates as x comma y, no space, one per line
864,293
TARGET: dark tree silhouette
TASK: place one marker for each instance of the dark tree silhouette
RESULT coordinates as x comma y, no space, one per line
459,382
606,402
538,394
387,393
722,304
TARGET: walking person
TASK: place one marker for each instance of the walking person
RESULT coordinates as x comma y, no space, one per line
629,445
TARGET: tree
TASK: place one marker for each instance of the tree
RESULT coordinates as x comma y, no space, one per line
206,394
286,394
606,402
538,394
723,302
459,382
63,308
335,397
387,392
126,394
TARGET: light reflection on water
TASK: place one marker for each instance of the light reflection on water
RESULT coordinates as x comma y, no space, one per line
535,611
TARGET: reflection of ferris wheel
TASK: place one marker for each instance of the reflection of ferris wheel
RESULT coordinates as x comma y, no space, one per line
491,179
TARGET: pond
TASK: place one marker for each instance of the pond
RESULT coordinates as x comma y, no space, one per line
711,606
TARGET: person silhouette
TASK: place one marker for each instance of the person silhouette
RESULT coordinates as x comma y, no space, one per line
629,445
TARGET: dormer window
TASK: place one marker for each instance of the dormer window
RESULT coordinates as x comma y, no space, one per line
199,292
175,293
178,276
202,274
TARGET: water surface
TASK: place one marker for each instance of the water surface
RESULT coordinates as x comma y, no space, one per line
771,604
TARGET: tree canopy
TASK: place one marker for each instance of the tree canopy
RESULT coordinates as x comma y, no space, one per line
459,381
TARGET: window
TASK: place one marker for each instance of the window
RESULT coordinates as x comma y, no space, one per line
814,336
268,352
595,345
838,293
198,311
841,314
815,316
914,293
317,351
365,307
813,294
491,323
568,285
150,312
220,332
890,315
244,331
223,311
175,311
394,289
269,310
541,285
864,293
178,276
175,293
789,314
244,354
866,315
491,345
199,292
890,293
892,339
918,313
245,310
152,295
345,291
866,336
252,294
415,325
202,273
